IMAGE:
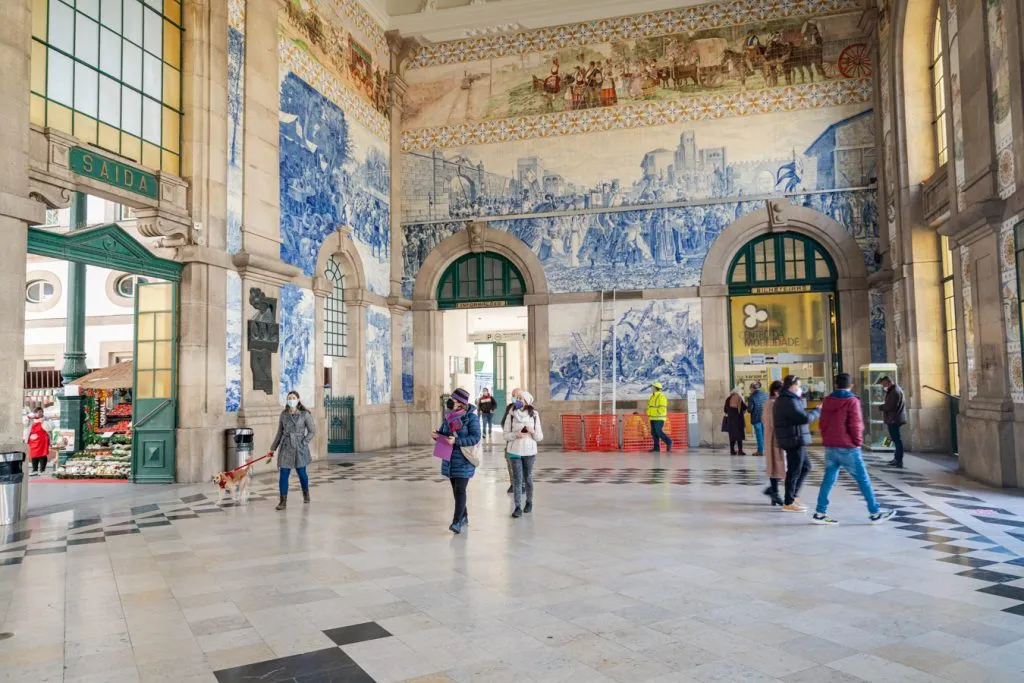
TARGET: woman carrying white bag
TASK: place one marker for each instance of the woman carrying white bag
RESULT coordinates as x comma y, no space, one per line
523,432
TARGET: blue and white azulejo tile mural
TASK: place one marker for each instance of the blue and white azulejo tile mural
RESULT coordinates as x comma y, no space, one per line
407,358
656,340
236,129
298,344
643,248
378,356
233,357
334,175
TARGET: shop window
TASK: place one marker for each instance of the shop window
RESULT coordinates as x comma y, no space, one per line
938,74
109,73
335,313
949,315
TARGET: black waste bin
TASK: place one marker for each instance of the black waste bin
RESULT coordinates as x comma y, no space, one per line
13,492
239,448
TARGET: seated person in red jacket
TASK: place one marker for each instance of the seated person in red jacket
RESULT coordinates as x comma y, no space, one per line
842,433
38,443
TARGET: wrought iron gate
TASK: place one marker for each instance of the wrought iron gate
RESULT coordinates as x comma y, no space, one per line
341,424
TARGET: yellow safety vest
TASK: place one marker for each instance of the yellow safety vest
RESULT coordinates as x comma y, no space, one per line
657,407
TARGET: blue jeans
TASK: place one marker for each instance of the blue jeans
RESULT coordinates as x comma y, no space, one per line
850,460
759,435
487,423
895,433
286,472
658,434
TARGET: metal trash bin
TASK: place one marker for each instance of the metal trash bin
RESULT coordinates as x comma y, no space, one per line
13,492
239,448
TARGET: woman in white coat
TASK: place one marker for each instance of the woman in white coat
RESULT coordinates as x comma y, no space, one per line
523,432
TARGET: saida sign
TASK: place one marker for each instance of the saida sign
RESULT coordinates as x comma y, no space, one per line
87,163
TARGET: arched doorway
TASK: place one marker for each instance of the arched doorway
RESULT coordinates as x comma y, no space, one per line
496,339
784,313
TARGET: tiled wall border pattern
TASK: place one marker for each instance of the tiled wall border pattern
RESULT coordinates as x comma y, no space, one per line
765,101
1011,308
683,20
236,15
361,19
295,60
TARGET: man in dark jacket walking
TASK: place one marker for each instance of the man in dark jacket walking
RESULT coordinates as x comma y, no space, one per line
793,434
755,406
894,414
842,434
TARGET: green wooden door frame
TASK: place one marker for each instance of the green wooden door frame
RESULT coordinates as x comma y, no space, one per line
155,412
762,264
481,281
105,246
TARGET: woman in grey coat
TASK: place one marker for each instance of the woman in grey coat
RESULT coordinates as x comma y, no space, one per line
295,431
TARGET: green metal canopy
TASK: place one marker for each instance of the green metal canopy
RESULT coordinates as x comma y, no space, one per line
106,246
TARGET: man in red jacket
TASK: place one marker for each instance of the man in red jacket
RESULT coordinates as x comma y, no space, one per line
842,433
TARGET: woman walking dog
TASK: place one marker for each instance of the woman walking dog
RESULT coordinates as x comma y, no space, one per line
295,431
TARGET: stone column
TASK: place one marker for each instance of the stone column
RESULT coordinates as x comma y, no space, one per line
714,305
429,371
202,353
399,409
17,212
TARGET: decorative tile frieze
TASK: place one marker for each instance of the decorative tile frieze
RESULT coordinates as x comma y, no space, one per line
236,15
295,60
683,20
726,105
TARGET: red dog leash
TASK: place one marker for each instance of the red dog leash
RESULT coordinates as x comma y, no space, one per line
250,463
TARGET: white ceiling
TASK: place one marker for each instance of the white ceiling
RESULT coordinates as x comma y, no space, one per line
454,19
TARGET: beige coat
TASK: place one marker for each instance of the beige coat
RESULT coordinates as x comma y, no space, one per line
775,457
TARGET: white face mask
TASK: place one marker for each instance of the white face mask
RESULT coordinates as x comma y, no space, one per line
799,391
293,403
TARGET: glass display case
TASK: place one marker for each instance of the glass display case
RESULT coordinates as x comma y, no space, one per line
872,396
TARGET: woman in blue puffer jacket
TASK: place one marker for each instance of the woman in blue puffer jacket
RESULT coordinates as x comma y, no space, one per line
461,428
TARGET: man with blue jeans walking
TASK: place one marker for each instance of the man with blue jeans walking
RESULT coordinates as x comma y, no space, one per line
842,433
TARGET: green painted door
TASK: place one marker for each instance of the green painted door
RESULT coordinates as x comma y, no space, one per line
155,387
500,390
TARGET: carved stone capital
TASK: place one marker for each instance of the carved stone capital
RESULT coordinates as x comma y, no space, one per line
977,221
776,209
402,48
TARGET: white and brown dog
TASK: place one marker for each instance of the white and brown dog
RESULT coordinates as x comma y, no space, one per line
235,484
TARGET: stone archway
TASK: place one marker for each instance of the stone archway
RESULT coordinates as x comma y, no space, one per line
428,323
840,244
851,285
476,239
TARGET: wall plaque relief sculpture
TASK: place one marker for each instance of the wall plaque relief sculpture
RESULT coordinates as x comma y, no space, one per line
264,338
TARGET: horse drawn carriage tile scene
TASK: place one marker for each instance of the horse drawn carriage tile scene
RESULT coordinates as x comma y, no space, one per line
585,67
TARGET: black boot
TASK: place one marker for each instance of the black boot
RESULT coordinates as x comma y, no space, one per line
305,496
282,503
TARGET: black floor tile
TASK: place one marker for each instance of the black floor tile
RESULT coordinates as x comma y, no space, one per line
1011,592
932,538
1004,522
988,575
966,561
349,675
1016,609
359,633
312,666
951,549
86,541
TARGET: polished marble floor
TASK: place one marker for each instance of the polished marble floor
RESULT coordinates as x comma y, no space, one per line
631,568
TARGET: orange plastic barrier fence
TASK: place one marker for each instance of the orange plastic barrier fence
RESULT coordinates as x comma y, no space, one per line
636,432
600,433
572,433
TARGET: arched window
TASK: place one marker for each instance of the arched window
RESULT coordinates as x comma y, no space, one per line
335,313
481,280
938,70
784,259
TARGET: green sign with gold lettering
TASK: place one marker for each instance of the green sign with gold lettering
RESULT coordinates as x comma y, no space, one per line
86,162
